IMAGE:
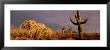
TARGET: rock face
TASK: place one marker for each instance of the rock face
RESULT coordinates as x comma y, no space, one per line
35,30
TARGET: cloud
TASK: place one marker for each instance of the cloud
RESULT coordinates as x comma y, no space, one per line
56,18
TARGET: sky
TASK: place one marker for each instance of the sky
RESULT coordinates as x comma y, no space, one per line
55,18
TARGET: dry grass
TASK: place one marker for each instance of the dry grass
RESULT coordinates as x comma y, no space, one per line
40,32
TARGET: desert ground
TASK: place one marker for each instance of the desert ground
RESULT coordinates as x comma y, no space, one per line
32,30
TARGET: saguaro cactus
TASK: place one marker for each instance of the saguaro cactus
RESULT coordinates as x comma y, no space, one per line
79,23
63,30
62,27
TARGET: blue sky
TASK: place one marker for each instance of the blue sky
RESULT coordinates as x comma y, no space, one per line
54,18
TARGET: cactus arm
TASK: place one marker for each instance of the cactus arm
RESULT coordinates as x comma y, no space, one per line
77,19
73,22
78,14
84,21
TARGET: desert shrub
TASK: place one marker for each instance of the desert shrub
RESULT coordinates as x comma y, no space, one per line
32,29
19,33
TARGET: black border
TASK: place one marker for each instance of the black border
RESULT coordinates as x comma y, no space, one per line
55,1
2,2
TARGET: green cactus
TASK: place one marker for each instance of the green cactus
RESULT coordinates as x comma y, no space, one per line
79,23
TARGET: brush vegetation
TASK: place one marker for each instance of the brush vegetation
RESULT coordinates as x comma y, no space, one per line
32,30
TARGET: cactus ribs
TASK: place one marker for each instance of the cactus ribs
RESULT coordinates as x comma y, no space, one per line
79,23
